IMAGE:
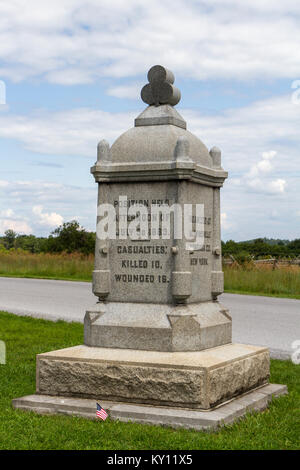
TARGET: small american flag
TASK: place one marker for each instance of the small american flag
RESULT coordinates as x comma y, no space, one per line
101,413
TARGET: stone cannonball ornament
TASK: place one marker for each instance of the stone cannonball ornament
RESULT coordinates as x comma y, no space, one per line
157,334
160,89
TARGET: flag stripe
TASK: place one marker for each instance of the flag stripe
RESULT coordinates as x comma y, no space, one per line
101,413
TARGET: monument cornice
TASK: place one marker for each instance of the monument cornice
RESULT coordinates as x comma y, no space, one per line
153,171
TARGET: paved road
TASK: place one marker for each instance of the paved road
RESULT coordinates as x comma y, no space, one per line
265,321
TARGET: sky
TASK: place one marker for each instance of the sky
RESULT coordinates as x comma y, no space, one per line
71,72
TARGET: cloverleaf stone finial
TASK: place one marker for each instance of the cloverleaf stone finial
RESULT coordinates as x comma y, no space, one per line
160,89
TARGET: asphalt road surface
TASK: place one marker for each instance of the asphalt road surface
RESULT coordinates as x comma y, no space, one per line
265,321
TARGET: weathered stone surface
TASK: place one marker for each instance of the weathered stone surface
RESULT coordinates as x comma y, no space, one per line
153,280
121,382
157,327
163,416
163,115
238,377
185,379
160,89
156,143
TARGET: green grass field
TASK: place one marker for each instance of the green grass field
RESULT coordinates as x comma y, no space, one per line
284,282
75,267
275,428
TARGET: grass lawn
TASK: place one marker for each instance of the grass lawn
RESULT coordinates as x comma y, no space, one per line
276,428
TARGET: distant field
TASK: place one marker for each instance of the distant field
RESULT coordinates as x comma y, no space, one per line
262,280
72,266
257,280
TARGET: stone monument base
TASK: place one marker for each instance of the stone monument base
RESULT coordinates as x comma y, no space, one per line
157,327
197,379
196,390
227,413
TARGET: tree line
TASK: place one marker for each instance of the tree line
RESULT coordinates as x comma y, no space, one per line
261,247
69,237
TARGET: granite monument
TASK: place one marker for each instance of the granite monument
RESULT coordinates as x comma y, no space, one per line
157,343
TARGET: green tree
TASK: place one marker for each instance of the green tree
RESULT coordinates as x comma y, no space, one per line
294,247
71,237
30,243
230,247
9,239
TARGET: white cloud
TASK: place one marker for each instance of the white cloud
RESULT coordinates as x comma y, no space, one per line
241,133
277,186
8,221
49,219
74,132
274,214
18,226
268,155
59,199
7,213
264,165
131,91
226,225
273,187
257,179
77,41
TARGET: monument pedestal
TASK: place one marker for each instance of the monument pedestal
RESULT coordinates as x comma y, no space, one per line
193,390
198,379
157,327
227,413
